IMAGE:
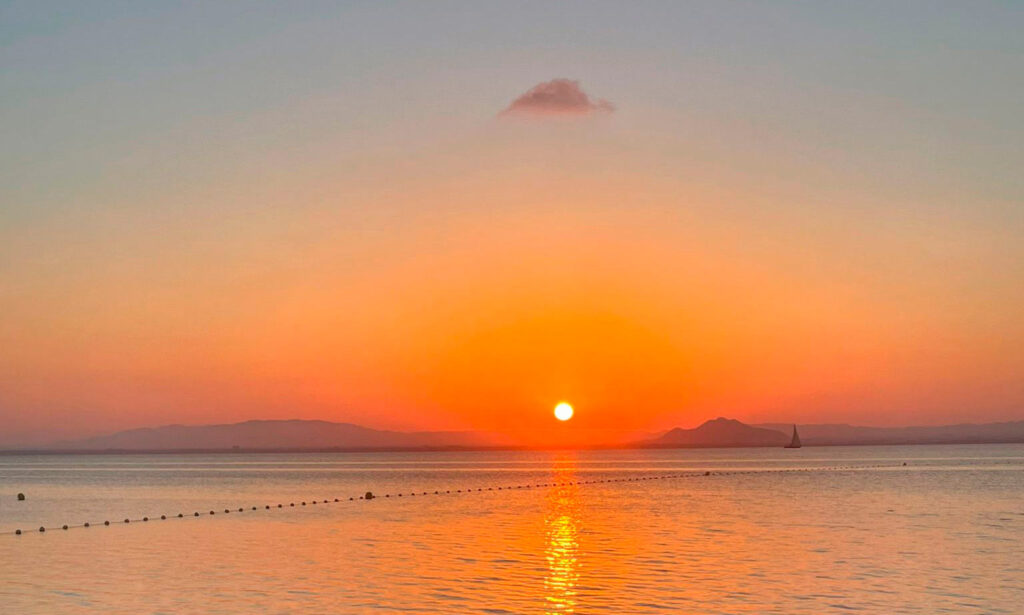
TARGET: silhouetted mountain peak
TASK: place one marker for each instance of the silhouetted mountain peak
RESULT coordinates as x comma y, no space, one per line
723,432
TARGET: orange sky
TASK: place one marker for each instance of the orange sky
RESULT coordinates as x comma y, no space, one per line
408,243
647,302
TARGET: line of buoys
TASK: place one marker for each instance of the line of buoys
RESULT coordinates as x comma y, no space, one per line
369,495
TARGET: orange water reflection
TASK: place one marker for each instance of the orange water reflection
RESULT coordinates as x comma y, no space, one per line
797,543
562,523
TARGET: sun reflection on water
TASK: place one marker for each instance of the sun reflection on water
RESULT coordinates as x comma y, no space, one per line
562,544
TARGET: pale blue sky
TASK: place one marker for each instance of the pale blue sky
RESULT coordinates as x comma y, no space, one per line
928,93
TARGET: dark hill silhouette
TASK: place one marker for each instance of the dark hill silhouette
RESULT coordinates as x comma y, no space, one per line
286,434
720,432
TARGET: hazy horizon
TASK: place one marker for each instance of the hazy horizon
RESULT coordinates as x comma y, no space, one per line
547,439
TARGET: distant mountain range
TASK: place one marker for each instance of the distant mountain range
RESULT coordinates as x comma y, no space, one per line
280,435
293,435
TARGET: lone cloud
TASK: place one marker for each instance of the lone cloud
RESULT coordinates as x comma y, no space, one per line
558,97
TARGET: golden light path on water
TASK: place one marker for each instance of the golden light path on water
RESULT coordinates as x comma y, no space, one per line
562,547
643,531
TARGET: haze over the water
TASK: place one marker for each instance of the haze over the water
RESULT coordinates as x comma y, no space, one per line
777,213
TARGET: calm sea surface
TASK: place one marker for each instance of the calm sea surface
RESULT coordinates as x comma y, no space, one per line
944,534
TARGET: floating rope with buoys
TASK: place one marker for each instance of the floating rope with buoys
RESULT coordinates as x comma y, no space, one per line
369,495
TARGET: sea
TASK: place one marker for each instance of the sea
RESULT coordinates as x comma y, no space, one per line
898,529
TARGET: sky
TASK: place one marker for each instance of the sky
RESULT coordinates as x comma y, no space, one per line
454,215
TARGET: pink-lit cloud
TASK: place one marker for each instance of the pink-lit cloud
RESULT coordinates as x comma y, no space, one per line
558,97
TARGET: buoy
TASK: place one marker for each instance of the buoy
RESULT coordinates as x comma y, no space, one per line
180,515
163,517
145,518
268,507
86,524
279,506
64,527
21,497
42,529
211,512
368,496
17,532
197,513
127,520
226,511
106,523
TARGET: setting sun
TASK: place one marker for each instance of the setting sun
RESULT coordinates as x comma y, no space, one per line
563,411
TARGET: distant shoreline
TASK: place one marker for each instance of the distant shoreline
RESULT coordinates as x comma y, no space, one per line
467,449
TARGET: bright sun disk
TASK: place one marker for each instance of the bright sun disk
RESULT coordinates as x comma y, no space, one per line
563,411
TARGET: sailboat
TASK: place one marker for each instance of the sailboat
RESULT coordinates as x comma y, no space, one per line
795,442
